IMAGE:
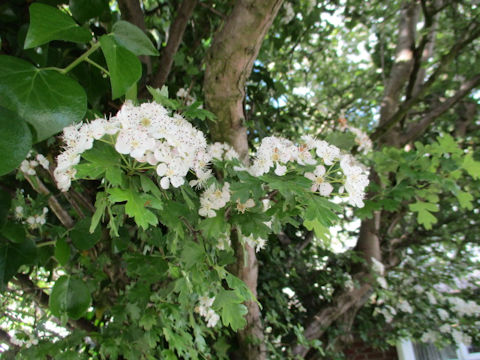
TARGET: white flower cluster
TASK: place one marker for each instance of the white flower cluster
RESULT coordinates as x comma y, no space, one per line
28,165
289,13
148,134
205,310
361,138
21,342
213,199
33,221
187,98
464,308
222,151
255,242
276,152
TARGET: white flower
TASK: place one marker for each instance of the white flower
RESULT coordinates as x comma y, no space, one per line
42,160
377,266
28,167
241,207
19,212
319,182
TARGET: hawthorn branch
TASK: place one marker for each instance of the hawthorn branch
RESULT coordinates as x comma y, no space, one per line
229,63
324,318
53,202
6,339
185,12
416,129
469,35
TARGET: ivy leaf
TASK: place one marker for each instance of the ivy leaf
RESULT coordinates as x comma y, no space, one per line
83,10
46,99
424,215
14,232
471,166
231,309
133,38
5,202
15,142
62,251
81,236
12,256
47,23
135,206
124,67
70,296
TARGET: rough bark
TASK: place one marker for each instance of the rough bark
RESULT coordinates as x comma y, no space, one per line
229,63
416,129
323,319
404,61
175,37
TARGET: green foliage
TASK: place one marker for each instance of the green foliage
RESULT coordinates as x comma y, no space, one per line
132,38
136,261
47,23
70,297
123,66
16,140
47,100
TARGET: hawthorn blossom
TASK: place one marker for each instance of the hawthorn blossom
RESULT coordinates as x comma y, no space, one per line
319,182
205,310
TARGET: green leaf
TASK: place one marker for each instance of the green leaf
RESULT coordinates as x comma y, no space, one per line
83,10
5,202
213,227
321,232
471,166
133,38
70,296
231,308
62,251
465,199
124,67
101,203
15,142
192,254
14,232
102,154
81,236
160,97
46,99
12,256
48,23
424,215
135,206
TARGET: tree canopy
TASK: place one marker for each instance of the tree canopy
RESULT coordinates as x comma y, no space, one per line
237,179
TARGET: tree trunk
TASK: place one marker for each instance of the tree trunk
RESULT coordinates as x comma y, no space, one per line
229,63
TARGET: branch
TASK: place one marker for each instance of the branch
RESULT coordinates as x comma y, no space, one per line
446,59
6,339
177,29
416,129
42,299
324,318
403,60
53,202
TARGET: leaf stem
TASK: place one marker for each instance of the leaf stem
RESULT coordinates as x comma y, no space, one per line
81,58
97,66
